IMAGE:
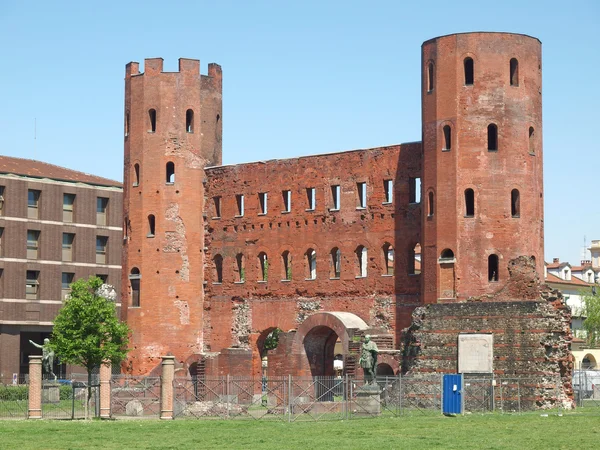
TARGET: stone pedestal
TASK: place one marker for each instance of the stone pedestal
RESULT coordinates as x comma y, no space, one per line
368,400
50,392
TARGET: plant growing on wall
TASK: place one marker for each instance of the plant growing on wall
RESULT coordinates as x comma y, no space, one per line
591,312
272,340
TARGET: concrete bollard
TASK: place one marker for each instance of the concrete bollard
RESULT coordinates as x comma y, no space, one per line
166,387
34,410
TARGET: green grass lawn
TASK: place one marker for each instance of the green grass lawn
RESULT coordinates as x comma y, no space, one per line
491,431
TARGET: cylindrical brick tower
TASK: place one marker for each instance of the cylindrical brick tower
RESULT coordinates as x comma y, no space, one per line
482,147
172,131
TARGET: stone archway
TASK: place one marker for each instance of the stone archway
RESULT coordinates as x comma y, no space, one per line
316,339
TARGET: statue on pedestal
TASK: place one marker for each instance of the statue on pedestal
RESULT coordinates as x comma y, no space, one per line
47,356
368,359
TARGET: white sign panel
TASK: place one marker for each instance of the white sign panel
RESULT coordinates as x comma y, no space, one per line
475,353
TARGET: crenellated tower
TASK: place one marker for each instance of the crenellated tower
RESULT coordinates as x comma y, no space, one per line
482,161
173,129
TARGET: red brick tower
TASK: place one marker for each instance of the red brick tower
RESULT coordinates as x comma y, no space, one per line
172,131
482,167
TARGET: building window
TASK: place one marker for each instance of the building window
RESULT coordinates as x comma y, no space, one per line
67,279
531,141
469,72
515,203
430,76
135,279
414,260
262,200
414,190
447,255
103,277
240,204
336,263
217,203
32,285
492,134
335,197
68,203
263,264
1,241
67,246
152,118
33,244
493,268
189,121
136,175
447,138
127,124
311,199
241,273
388,190
469,203
388,259
1,200
101,247
218,262
287,201
286,258
430,204
33,203
101,211
361,261
361,188
170,172
311,260
514,72
151,225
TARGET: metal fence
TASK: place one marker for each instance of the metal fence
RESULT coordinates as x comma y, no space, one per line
67,399
586,388
135,396
14,397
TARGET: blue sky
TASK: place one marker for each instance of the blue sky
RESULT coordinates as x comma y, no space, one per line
299,78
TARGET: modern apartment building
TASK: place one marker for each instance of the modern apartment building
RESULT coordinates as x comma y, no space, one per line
56,225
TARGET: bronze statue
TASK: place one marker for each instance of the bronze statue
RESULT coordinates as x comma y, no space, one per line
368,359
47,356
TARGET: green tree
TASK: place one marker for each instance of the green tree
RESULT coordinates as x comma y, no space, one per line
87,331
591,312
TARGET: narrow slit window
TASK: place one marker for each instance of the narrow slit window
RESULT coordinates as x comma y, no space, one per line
262,199
287,201
414,190
151,225
388,259
514,72
414,260
287,265
430,76
493,268
311,260
136,175
263,263
531,141
447,138
152,117
218,262
430,205
239,265
189,121
239,199
170,172
335,197
515,203
388,189
310,197
469,72
336,263
217,203
127,124
362,194
492,137
361,261
135,279
469,203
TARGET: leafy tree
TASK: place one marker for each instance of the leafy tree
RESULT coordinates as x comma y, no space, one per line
87,331
591,311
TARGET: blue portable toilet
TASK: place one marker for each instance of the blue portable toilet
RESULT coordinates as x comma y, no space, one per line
452,400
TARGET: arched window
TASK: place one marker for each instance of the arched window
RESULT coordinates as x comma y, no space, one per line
469,72
493,267
492,137
447,255
239,268
151,225
135,280
152,117
263,265
287,265
218,262
311,264
514,72
136,174
170,172
414,260
189,121
336,263
447,138
469,203
515,203
430,76
388,259
430,204
361,261
531,141
127,124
